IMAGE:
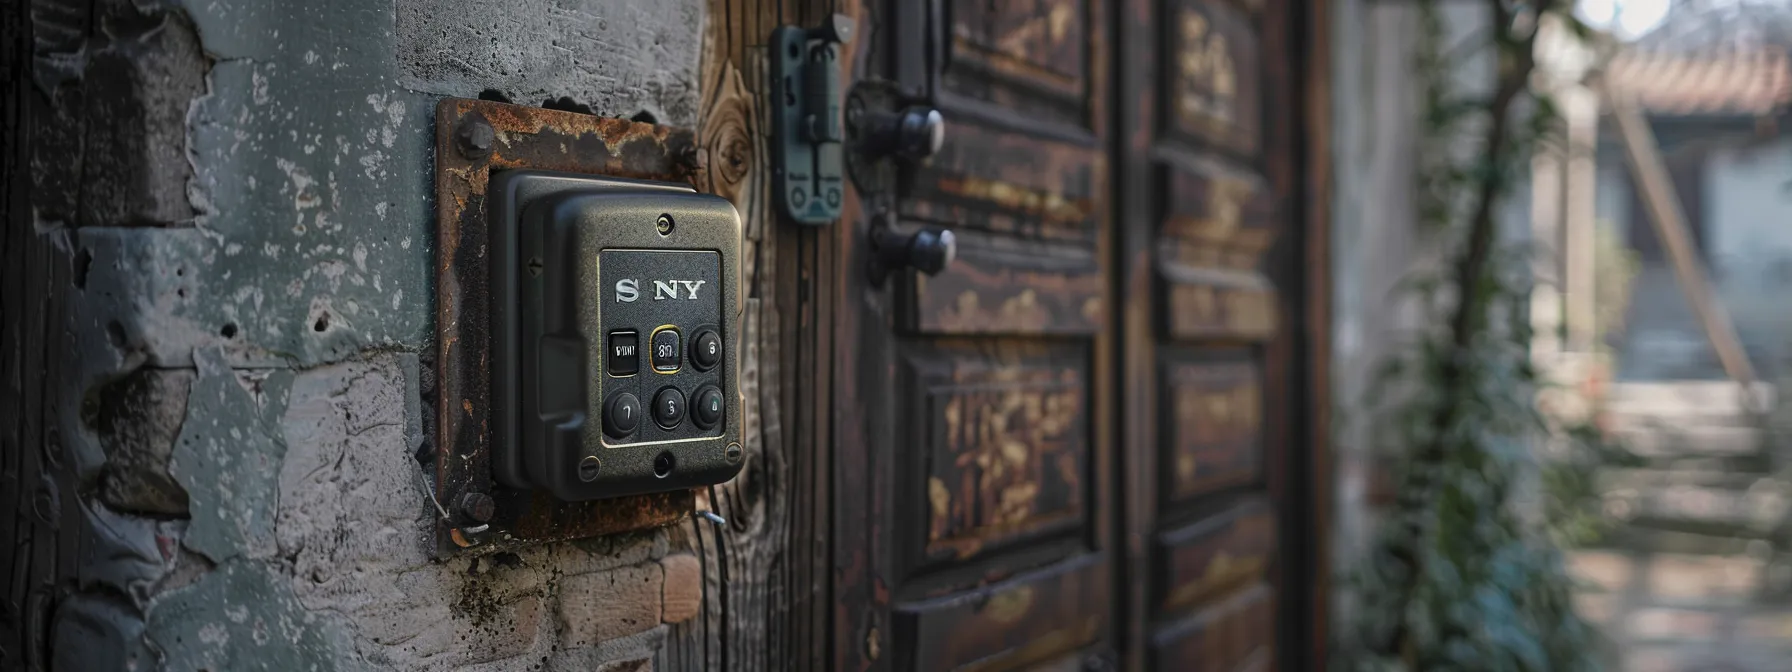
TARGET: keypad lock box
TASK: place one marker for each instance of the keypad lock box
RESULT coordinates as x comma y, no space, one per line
616,316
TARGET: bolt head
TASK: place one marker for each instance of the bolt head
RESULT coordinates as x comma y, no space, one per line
476,138
478,506
664,225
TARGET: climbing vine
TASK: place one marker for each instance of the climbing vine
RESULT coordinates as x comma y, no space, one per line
1461,576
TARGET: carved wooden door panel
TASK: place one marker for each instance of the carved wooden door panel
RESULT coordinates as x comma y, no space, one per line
975,441
1208,173
1063,451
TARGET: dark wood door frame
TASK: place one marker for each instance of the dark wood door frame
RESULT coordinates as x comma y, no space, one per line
1313,351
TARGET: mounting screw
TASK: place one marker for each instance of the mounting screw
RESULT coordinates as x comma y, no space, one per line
476,137
477,506
664,225
733,452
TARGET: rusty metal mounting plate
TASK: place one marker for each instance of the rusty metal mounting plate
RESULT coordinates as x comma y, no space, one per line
474,138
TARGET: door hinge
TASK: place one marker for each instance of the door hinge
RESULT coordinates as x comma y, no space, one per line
808,169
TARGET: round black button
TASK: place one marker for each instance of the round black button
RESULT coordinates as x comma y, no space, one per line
622,415
668,407
708,411
706,350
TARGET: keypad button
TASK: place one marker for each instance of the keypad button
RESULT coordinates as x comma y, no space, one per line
624,360
622,415
666,351
706,350
709,403
668,408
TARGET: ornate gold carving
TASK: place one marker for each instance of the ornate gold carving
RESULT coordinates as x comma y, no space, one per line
1006,445
1010,605
1207,82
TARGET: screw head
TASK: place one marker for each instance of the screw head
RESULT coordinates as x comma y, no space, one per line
664,225
477,506
733,452
476,138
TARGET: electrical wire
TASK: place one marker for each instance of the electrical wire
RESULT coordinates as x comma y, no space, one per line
703,584
721,564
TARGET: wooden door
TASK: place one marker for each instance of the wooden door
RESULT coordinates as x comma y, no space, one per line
975,439
1209,172
1061,451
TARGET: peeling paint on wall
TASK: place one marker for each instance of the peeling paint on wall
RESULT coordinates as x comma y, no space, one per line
226,458
242,190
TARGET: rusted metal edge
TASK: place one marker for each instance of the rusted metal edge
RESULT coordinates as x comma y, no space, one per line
473,138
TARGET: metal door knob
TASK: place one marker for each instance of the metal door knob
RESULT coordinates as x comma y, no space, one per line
927,250
914,134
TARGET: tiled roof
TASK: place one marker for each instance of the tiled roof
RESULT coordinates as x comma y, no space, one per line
1755,82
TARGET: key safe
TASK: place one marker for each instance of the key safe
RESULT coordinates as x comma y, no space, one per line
615,314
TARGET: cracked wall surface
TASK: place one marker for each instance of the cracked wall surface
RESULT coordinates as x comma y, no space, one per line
233,200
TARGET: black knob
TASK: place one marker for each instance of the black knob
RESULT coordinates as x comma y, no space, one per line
622,415
837,28
927,250
668,408
913,134
706,350
931,250
707,407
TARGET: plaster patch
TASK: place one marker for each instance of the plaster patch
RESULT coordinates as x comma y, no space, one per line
351,506
194,633
356,523
227,458
617,59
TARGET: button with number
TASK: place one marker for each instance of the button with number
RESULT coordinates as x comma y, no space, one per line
622,415
666,355
706,350
708,407
668,407
623,360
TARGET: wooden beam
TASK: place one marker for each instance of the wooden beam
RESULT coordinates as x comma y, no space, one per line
767,577
1663,205
1580,107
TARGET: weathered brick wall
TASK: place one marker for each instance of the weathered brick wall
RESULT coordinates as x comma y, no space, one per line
240,193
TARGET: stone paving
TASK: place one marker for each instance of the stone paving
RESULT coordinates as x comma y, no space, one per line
1693,579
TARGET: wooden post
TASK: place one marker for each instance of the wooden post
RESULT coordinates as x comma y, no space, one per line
1580,109
1546,227
1663,204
